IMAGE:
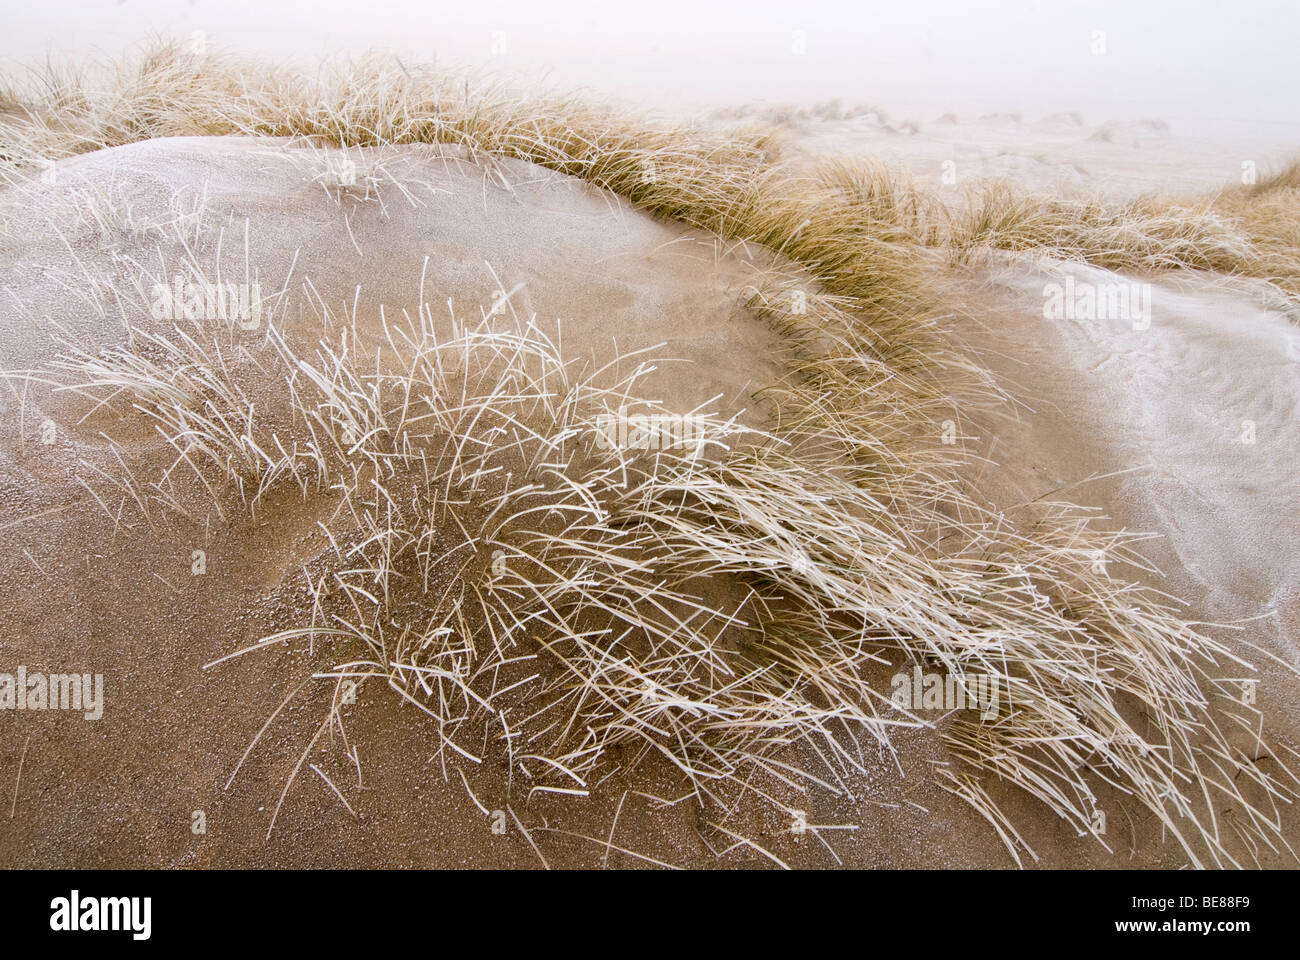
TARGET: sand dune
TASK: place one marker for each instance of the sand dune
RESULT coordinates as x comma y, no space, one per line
471,230
223,274
1188,422
598,275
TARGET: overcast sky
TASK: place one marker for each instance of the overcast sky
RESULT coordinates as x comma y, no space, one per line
1219,67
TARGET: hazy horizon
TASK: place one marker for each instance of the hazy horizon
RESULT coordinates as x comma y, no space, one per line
1206,69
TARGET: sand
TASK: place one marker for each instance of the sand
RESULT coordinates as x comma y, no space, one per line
1159,407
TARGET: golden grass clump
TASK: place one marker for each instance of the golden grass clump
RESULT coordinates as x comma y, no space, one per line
1269,213
1143,234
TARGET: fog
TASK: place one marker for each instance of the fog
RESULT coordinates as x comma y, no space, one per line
1219,70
